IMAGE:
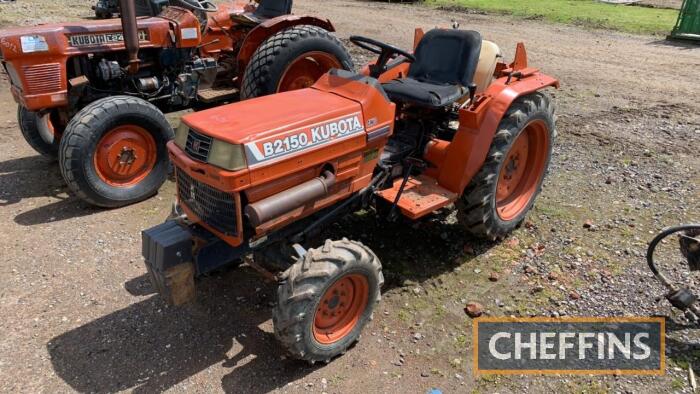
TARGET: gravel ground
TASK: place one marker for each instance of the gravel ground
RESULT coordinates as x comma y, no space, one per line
79,314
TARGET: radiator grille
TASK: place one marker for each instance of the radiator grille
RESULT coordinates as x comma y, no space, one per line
198,146
215,207
43,79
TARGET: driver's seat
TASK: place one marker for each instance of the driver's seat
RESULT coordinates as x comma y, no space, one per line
445,64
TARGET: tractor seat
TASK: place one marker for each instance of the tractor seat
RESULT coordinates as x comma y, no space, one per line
267,9
445,64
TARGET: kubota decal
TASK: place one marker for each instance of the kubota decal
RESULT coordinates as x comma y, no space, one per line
294,141
82,40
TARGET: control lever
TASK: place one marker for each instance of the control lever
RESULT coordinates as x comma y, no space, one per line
472,92
411,162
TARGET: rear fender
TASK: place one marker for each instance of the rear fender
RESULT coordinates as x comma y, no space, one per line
271,26
479,123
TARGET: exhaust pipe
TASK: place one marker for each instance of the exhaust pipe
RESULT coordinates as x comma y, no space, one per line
131,33
290,199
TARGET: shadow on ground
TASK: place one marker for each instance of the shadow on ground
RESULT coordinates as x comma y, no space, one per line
679,347
37,176
683,44
151,347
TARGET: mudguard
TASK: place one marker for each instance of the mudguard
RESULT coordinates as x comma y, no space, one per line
271,26
479,124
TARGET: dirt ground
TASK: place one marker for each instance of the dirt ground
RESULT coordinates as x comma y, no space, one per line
79,315
675,4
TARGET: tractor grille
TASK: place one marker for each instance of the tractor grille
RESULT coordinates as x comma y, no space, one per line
215,207
198,146
42,79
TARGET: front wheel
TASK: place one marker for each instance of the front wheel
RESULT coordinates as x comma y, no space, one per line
500,195
294,58
113,152
326,299
38,131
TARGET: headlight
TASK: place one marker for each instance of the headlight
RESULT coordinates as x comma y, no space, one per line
227,156
181,135
31,44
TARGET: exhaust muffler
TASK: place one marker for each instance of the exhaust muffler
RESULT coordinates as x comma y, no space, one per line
131,33
276,205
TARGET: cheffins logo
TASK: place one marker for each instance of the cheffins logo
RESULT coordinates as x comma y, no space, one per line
295,141
634,345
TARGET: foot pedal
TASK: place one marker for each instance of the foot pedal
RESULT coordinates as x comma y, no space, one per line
421,196
212,95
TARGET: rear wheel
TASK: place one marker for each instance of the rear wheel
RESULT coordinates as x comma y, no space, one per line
31,123
113,152
294,58
500,195
326,299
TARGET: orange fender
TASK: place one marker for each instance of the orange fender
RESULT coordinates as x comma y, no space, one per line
271,26
479,124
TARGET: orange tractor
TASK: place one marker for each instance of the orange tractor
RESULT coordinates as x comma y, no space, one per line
93,94
449,123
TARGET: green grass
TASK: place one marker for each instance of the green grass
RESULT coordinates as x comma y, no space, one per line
589,13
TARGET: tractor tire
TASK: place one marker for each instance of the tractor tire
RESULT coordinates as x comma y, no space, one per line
499,197
341,277
291,59
113,152
29,126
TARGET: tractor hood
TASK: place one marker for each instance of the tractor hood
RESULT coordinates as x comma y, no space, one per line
281,125
270,116
61,40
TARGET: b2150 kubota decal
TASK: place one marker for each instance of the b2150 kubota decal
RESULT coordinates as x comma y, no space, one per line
274,148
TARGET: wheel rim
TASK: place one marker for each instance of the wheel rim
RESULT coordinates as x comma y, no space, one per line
522,170
340,308
125,155
306,69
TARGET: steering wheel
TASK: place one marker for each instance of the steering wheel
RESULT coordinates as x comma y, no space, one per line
385,51
200,5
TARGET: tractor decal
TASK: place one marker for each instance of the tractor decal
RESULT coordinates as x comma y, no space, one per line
82,40
307,137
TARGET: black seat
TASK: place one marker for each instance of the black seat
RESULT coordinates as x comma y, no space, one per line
445,64
267,9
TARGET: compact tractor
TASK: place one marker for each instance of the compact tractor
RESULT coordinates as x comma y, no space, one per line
448,123
93,94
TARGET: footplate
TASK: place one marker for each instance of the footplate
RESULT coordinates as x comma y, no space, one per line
167,250
421,196
213,95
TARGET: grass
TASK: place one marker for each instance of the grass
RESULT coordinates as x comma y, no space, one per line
589,13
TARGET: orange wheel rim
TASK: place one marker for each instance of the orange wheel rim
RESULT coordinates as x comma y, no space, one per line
522,170
125,155
306,69
340,308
